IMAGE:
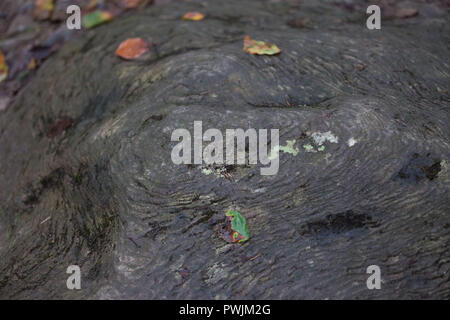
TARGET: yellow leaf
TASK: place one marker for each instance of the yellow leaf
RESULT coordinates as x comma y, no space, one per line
32,64
260,47
43,9
3,67
193,16
93,4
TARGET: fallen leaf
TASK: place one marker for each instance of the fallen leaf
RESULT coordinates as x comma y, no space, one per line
260,47
193,16
43,9
132,48
96,18
298,22
32,64
93,4
130,4
238,226
3,67
404,13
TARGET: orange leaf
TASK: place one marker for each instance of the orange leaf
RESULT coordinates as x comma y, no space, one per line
403,13
3,67
131,3
132,48
193,16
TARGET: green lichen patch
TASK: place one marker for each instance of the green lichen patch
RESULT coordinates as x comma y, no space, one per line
308,148
207,171
288,148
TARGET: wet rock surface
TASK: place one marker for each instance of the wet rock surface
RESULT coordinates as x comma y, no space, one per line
87,176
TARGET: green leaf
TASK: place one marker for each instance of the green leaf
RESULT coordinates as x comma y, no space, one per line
239,225
96,18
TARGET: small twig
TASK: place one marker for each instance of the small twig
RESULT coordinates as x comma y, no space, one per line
251,259
46,219
132,240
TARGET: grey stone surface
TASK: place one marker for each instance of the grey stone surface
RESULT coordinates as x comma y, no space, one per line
87,177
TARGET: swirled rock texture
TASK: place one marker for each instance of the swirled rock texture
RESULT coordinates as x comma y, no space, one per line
87,179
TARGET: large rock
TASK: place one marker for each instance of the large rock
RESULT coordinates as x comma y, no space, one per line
87,179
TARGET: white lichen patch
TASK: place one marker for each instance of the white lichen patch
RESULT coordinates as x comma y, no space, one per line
318,140
216,273
224,249
321,137
259,190
218,172
444,173
351,142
